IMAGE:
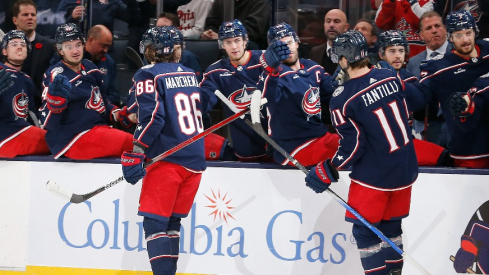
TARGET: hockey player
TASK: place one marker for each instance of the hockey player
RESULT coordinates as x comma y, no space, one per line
17,135
74,112
236,78
470,117
169,113
370,115
393,49
295,89
453,72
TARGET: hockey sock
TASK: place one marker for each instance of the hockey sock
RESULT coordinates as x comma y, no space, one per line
371,252
174,225
393,231
159,247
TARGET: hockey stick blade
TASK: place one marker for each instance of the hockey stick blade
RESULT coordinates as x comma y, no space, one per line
256,125
134,56
468,270
77,198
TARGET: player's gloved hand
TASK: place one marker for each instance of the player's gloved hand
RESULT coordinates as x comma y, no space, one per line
339,77
465,256
460,104
5,80
125,118
58,92
321,176
275,53
133,166
385,65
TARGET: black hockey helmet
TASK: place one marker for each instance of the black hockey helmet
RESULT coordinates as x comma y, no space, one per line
461,20
15,34
68,32
352,45
392,38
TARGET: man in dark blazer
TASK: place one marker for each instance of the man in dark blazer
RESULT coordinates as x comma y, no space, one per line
25,19
334,24
434,34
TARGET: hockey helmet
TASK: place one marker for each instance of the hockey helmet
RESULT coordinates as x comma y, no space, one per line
461,20
161,40
280,31
176,34
352,45
147,38
392,38
15,34
68,32
231,29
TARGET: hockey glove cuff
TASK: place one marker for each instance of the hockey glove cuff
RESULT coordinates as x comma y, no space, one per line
320,177
56,104
124,118
5,80
275,53
133,166
465,256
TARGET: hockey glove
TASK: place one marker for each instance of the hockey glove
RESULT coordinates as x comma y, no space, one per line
339,77
275,53
460,104
58,92
5,80
133,166
124,118
321,176
385,65
465,256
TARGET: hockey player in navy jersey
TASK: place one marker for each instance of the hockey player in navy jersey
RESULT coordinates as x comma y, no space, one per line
295,89
17,134
370,114
456,71
168,97
236,77
74,112
393,49
470,131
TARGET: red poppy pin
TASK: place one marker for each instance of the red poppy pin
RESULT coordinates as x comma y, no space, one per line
38,45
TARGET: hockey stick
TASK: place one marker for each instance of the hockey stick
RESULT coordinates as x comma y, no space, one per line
468,270
77,198
256,125
134,56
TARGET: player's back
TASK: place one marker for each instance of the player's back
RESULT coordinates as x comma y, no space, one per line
172,115
371,116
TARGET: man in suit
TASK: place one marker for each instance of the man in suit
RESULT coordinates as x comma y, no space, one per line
25,20
429,123
334,24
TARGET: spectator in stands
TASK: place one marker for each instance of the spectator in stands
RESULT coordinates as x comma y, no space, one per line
296,90
253,13
18,136
335,23
236,77
74,112
192,17
479,9
404,17
96,47
37,61
99,13
188,58
370,32
429,122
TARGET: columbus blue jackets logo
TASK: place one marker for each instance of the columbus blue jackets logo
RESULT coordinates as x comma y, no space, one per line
242,97
95,102
471,6
311,103
20,105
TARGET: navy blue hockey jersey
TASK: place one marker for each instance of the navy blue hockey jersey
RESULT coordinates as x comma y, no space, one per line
86,106
370,115
294,104
470,135
237,83
169,112
15,104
